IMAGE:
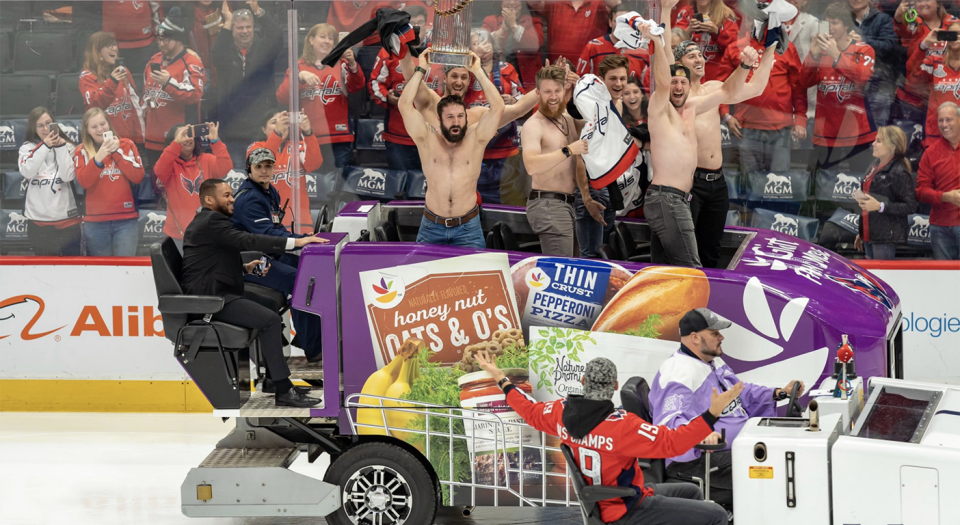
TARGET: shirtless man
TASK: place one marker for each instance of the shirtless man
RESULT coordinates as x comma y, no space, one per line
451,157
551,154
673,135
710,198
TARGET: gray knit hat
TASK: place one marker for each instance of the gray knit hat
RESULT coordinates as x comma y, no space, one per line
685,47
599,379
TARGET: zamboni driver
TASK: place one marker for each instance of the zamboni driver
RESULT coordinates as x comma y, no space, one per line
608,442
683,387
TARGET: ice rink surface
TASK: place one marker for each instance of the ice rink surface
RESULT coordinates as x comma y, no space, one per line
123,469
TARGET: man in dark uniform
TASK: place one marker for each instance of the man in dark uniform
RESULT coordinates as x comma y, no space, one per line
212,266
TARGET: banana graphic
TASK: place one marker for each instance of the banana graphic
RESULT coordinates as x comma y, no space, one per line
397,419
379,383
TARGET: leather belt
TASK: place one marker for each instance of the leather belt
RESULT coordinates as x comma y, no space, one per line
708,175
450,222
565,197
669,189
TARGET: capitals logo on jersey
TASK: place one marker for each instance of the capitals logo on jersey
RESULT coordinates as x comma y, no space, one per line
327,92
948,87
837,84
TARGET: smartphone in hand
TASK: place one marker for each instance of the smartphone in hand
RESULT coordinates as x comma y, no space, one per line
155,67
698,17
859,194
107,135
261,266
946,36
200,130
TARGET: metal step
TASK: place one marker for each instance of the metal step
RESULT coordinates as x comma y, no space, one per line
250,457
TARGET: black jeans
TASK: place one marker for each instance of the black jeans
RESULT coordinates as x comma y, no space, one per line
52,241
721,480
709,211
675,504
250,314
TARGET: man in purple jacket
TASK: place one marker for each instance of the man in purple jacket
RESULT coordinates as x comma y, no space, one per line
681,391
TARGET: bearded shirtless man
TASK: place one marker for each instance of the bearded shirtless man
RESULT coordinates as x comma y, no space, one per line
673,135
551,154
710,198
451,157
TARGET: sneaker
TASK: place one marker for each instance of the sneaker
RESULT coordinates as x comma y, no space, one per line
293,398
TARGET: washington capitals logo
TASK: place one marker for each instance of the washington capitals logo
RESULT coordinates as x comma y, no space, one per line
192,186
327,92
867,286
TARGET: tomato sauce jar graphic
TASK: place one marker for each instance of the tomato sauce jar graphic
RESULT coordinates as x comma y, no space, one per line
489,436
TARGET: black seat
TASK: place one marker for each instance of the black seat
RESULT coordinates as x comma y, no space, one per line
278,298
386,232
635,398
69,100
608,253
589,495
44,51
633,251
214,354
22,92
6,57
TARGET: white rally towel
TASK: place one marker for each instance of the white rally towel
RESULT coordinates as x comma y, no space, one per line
612,150
628,31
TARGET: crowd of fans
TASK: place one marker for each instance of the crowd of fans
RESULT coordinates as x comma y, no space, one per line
182,91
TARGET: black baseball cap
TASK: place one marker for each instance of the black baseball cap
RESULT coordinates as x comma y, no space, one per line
701,319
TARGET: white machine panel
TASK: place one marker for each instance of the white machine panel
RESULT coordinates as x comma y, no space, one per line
780,490
848,408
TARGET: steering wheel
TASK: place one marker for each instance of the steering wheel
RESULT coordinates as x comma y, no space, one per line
321,218
793,407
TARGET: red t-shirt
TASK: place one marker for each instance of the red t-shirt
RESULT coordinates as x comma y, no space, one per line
109,189
842,117
326,104
939,172
569,29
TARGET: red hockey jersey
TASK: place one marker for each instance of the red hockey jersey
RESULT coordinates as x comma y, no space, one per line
783,102
944,86
110,188
387,76
118,100
714,46
178,101
326,104
598,48
310,160
608,454
842,116
182,178
916,89
506,143
132,22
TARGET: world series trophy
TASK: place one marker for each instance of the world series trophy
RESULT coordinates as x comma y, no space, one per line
451,33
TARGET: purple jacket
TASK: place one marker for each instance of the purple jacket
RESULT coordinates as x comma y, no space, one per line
681,391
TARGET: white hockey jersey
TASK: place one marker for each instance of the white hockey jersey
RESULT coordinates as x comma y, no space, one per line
611,148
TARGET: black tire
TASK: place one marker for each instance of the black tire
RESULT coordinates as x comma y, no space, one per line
381,469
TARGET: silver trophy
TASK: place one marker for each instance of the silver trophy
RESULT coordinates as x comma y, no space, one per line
451,33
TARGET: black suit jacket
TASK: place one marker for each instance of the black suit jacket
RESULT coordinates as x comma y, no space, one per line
211,255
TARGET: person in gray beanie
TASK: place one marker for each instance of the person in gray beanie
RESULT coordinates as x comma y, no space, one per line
607,441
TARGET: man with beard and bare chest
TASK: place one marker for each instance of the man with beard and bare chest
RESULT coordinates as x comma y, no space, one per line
710,198
673,135
551,154
451,157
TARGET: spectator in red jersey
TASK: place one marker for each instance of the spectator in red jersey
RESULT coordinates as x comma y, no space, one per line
134,25
888,196
207,22
46,162
912,97
276,132
386,85
767,124
599,48
182,167
938,184
840,67
506,143
713,26
109,168
518,37
571,24
634,103
323,93
607,442
942,71
244,55
173,85
107,85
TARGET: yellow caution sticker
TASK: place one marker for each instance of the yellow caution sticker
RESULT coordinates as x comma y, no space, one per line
761,472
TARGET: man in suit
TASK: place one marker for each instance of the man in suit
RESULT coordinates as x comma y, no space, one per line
212,266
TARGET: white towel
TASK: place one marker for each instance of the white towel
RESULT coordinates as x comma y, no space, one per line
628,31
